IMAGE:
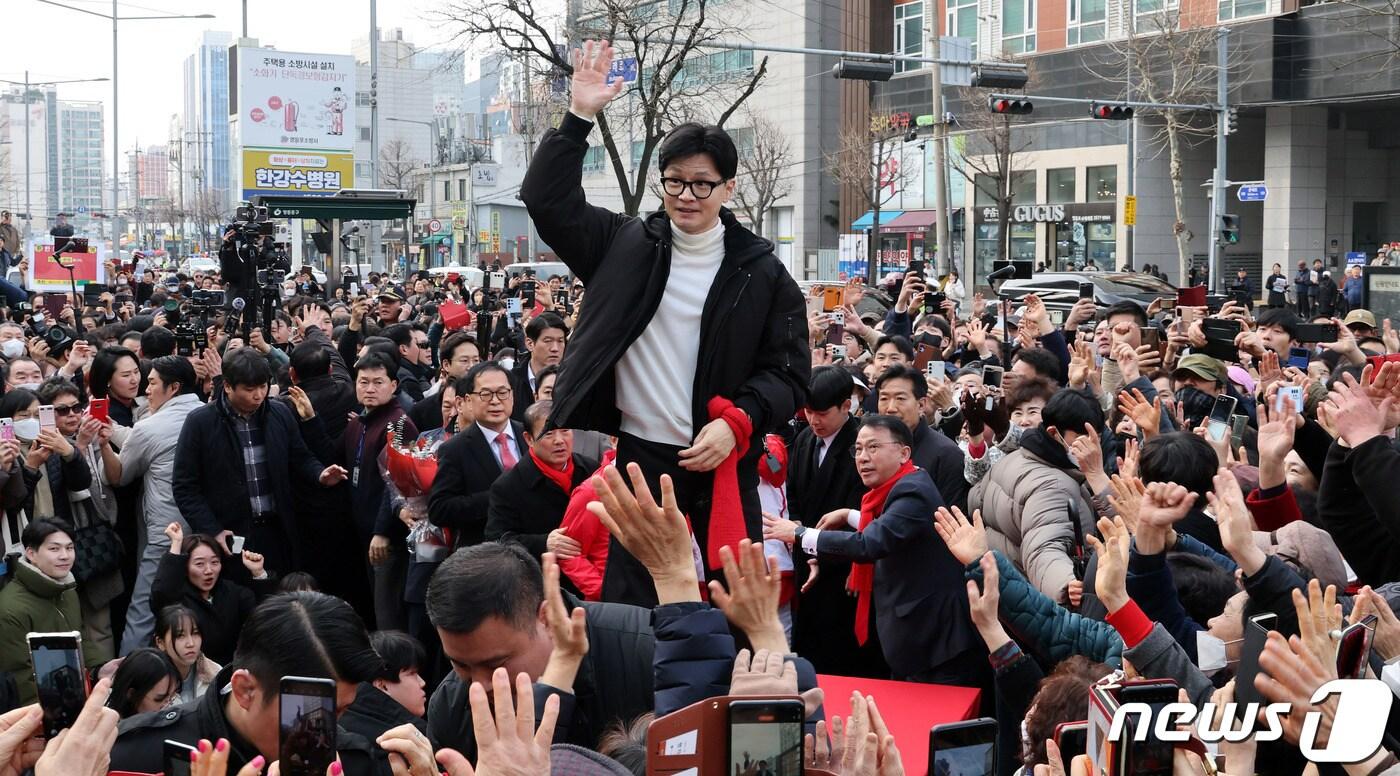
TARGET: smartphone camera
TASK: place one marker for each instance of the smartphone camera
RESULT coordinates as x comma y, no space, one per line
765,737
58,677
306,725
967,748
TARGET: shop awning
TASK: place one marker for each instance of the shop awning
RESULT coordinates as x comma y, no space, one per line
868,220
912,221
434,239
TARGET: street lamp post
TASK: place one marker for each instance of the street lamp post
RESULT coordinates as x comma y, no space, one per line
28,207
432,160
116,141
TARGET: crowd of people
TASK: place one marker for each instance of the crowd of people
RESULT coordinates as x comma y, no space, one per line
695,483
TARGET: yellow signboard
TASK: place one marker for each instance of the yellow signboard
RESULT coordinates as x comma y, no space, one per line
1129,210
310,173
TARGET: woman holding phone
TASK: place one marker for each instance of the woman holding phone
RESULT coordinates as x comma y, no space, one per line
49,464
193,574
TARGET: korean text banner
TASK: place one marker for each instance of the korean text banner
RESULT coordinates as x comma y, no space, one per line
297,173
300,101
46,273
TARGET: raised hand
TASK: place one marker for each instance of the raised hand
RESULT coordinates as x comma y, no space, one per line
1164,503
589,90
967,541
656,535
569,631
1236,526
984,604
751,602
1147,415
1111,578
769,673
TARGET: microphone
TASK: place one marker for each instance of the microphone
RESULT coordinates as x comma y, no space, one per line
1003,273
239,303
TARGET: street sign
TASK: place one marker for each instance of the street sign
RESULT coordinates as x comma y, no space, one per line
1129,210
624,68
951,47
1254,192
446,241
1356,258
434,226
82,210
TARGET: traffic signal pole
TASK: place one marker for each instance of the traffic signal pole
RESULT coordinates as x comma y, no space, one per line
943,257
1217,199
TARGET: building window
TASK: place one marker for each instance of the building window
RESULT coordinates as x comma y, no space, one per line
637,153
462,189
362,99
1088,21
909,34
1238,9
446,191
1022,235
1017,26
1155,6
1102,184
962,21
1059,186
593,159
364,134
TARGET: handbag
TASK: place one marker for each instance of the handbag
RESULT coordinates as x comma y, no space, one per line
97,549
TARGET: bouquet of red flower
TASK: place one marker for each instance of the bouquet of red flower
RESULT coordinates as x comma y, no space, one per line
410,467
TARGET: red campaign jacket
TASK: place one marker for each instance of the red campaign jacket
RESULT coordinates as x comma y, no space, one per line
586,571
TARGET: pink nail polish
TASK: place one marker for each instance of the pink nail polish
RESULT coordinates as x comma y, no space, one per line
204,745
258,762
335,768
194,757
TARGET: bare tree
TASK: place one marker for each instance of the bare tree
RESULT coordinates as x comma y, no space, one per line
990,154
675,80
1377,19
870,160
396,164
1166,61
763,171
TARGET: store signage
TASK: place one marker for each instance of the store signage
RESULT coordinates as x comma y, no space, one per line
1075,212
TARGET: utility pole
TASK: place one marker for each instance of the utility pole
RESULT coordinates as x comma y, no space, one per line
373,242
943,258
28,208
1129,238
245,18
1217,199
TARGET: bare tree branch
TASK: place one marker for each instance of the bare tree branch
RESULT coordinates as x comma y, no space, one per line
763,165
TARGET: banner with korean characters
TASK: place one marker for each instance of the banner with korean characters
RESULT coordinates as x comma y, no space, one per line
314,174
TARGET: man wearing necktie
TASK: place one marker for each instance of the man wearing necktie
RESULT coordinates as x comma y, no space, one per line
471,461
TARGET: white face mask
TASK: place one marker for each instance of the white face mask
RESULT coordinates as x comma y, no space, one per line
507,364
27,429
29,387
12,348
1210,653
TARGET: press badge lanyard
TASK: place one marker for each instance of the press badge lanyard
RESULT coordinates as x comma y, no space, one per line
359,452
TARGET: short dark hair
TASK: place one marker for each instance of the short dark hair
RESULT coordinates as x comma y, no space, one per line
401,334
1127,307
310,359
55,387
15,400
138,673
467,383
900,342
399,651
916,379
1045,363
104,366
297,581
545,320
536,415
892,424
1281,317
374,359
691,139
306,634
1071,410
176,370
831,386
550,371
245,366
157,341
448,347
1180,457
493,579
40,529
1023,390
1201,586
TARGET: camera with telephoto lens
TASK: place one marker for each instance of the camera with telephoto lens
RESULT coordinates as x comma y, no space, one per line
250,222
206,299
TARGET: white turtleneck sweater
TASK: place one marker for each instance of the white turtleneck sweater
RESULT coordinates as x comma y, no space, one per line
656,376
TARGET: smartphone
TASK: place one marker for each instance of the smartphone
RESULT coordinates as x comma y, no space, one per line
1299,357
1354,648
354,289
924,353
58,675
1221,329
1168,303
513,306
838,352
177,758
1238,423
306,726
835,334
833,298
97,408
965,748
46,417
527,289
937,371
1193,296
1057,317
55,303
7,429
1377,362
1073,740
1290,397
765,737
916,267
814,303
1152,336
1256,633
1153,756
991,376
1218,424
1311,332
1086,290
235,544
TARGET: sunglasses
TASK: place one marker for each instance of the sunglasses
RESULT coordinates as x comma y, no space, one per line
67,409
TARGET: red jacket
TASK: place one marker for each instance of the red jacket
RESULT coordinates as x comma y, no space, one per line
586,571
1274,512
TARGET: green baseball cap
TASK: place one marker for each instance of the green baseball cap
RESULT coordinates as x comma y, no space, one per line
1202,366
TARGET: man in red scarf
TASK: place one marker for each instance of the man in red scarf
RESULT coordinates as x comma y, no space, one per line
899,572
529,501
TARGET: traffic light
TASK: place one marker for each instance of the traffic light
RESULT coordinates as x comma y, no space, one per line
1232,120
1009,107
999,75
1110,111
1229,229
863,70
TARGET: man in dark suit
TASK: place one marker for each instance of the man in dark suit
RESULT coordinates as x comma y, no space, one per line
915,589
471,461
822,478
528,502
457,353
545,335
902,391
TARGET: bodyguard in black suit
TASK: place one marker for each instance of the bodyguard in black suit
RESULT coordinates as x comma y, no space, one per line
471,461
917,591
528,502
902,390
822,478
545,336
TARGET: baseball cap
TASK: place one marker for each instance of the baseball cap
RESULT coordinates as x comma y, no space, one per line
391,292
1361,317
1202,366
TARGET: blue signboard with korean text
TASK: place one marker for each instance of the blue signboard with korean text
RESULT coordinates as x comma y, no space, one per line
1254,192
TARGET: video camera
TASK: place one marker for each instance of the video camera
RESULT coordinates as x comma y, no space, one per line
250,222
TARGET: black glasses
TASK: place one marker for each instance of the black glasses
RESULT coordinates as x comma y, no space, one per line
499,395
700,189
67,409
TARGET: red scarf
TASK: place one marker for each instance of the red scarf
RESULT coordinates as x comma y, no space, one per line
564,479
862,579
726,508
